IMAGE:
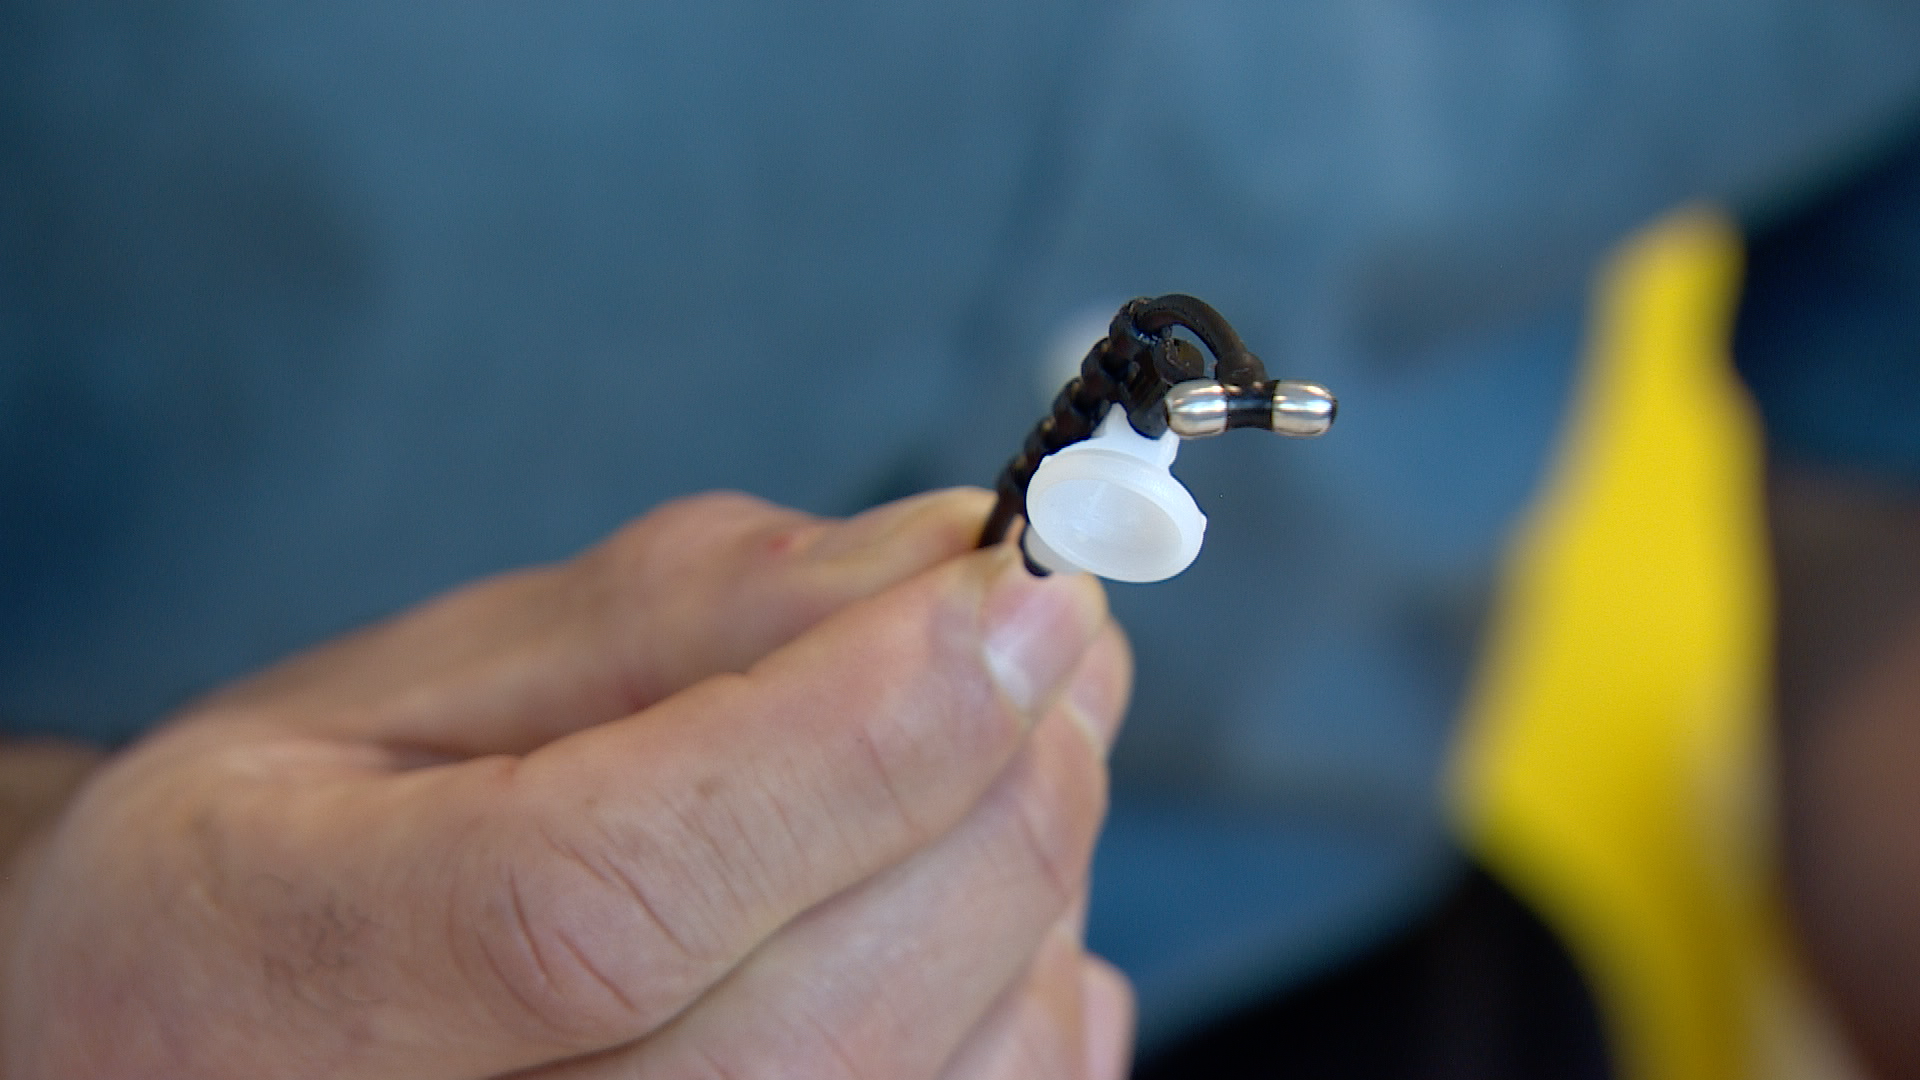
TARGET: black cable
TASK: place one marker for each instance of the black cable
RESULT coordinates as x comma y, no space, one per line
1135,365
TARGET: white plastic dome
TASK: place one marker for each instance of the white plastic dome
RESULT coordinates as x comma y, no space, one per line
1108,505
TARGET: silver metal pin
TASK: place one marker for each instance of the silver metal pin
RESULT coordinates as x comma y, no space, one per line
1302,409
1197,409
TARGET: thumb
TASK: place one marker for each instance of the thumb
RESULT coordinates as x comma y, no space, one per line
472,918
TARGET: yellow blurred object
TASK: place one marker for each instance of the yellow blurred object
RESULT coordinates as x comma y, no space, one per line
1612,767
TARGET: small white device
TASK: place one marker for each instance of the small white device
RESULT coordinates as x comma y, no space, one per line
1092,479
1109,505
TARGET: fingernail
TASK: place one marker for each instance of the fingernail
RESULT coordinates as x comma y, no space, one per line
1036,629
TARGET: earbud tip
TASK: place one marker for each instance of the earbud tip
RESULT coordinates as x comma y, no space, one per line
1113,515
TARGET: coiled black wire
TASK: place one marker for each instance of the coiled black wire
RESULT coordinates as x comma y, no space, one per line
1135,365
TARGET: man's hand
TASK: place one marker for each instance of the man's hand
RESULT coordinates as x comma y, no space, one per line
740,793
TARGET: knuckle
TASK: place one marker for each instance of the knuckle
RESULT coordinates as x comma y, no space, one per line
927,749
514,943
715,568
672,531
708,509
574,946
695,523
714,541
885,754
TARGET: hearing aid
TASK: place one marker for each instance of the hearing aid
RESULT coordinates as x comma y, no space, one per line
1093,479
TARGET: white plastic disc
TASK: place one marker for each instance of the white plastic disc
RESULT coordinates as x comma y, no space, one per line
1109,506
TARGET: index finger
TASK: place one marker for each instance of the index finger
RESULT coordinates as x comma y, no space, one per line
690,833
699,587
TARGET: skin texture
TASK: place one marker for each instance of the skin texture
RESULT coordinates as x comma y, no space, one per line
739,793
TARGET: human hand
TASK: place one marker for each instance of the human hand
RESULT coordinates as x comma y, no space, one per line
739,793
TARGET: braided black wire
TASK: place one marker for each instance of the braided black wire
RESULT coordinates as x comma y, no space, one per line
1134,365
1077,409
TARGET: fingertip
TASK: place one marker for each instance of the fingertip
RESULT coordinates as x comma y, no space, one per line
1035,630
961,499
942,523
1106,999
1096,698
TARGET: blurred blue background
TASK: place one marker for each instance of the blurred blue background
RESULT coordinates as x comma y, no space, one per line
309,312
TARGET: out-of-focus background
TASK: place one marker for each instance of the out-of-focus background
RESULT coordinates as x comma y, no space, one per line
309,312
